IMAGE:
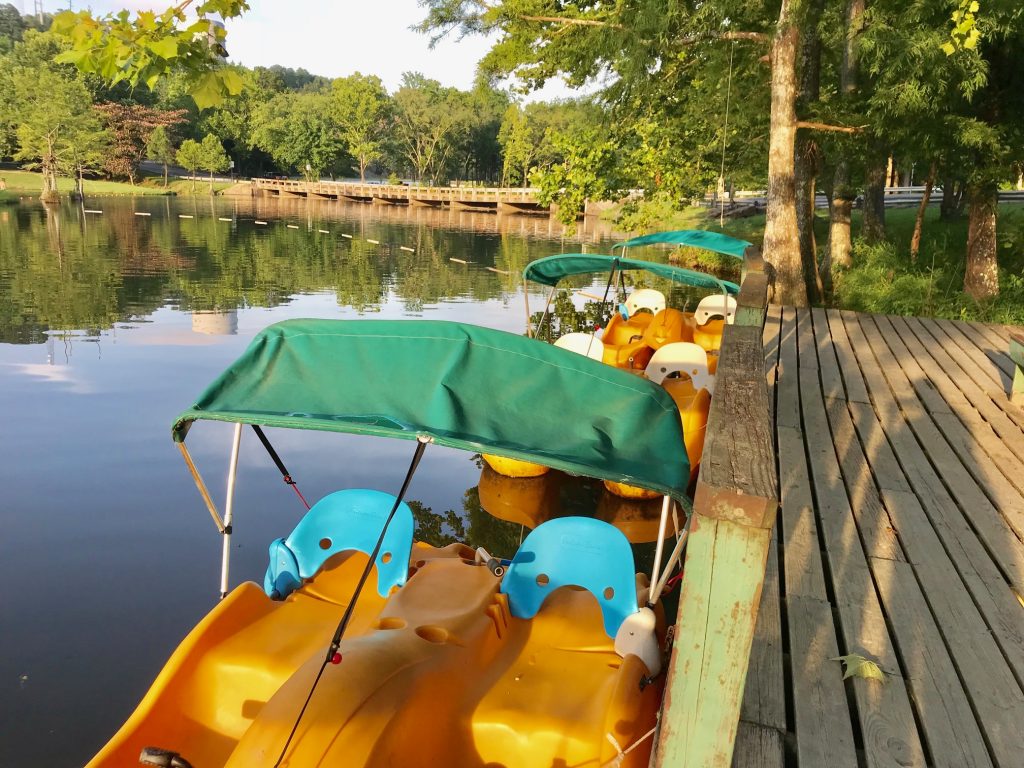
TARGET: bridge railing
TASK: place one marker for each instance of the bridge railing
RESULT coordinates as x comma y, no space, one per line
366,189
730,531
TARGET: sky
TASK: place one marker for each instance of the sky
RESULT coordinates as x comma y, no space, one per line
335,38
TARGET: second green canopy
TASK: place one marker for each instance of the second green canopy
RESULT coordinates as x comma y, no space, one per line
550,270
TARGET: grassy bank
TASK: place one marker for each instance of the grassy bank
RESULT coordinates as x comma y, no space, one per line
883,279
29,183
183,187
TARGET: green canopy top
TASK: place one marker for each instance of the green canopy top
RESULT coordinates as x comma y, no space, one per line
698,238
466,387
551,269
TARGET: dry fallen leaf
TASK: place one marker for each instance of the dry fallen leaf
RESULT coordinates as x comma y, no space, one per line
857,666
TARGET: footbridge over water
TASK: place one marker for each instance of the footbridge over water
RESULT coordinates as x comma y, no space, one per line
497,199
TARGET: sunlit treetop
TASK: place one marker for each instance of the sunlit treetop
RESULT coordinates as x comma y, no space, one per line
143,48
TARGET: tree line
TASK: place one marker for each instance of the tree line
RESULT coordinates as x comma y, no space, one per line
63,121
838,96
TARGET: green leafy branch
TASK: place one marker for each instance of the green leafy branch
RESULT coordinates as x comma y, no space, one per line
119,48
965,34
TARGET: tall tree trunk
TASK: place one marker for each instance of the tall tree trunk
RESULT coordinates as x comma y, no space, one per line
840,240
806,170
781,240
807,153
915,241
981,278
874,196
952,204
362,169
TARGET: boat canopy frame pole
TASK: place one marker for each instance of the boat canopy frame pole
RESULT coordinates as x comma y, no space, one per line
526,300
666,504
544,314
210,506
229,508
659,578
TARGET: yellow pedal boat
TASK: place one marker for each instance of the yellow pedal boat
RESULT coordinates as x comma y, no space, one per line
363,648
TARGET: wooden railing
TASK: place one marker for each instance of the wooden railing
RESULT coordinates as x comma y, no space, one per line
1017,356
734,510
401,192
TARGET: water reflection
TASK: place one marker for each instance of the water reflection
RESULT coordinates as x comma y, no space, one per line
110,324
67,269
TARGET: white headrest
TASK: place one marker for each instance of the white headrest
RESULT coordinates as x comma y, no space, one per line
582,344
681,357
645,298
716,305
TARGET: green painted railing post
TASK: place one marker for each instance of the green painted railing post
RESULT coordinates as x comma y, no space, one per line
734,510
1017,355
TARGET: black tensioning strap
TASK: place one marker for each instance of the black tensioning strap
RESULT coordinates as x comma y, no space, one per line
280,464
332,651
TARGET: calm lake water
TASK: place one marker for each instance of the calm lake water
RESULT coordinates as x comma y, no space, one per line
111,324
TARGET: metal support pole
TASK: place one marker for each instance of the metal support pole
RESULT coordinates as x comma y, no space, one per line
660,549
202,487
229,504
526,299
544,314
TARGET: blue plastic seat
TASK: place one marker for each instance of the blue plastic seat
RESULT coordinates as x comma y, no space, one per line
578,551
344,520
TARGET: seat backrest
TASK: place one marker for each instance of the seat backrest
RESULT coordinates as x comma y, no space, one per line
682,357
668,326
346,520
645,298
716,305
573,551
582,344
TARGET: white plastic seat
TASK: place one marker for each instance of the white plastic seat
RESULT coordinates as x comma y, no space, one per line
682,357
585,344
645,298
717,305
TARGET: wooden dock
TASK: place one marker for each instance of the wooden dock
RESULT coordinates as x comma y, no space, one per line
495,199
901,473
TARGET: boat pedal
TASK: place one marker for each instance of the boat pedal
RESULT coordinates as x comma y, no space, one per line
162,758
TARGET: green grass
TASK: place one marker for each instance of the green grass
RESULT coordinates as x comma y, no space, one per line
883,279
184,186
8,198
29,183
